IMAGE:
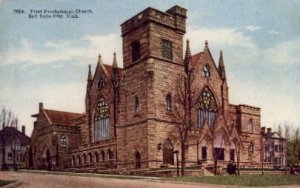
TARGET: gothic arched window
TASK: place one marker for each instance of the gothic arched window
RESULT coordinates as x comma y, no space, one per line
250,126
206,71
251,149
63,140
103,155
73,160
101,83
91,161
97,156
207,110
110,154
169,102
101,120
78,160
137,160
84,158
136,104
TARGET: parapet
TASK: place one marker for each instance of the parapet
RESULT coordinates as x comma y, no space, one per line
173,18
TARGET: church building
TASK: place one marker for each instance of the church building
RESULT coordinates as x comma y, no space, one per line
129,112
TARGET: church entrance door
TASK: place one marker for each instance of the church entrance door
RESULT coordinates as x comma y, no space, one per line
168,154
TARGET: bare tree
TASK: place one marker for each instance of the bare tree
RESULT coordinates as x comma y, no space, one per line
185,100
296,145
7,119
279,130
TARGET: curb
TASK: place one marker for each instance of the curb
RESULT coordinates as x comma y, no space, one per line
11,185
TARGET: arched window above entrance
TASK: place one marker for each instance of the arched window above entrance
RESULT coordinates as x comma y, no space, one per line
207,110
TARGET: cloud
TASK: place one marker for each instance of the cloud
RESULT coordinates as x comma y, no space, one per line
252,27
284,53
82,51
228,37
233,42
274,32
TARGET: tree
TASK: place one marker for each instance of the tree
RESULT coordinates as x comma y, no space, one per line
185,100
7,119
296,145
279,130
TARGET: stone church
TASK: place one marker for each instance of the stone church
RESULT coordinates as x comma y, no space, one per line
129,112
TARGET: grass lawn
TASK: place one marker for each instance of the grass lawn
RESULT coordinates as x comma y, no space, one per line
244,180
5,182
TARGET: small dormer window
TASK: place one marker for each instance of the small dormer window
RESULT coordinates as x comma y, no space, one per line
206,71
101,83
135,51
167,49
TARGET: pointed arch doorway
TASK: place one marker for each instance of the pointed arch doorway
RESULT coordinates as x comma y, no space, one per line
48,159
168,153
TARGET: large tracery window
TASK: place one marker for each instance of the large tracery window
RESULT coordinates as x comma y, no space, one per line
101,120
207,108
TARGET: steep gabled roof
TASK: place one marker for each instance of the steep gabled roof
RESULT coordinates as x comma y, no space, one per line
109,70
196,57
60,117
9,134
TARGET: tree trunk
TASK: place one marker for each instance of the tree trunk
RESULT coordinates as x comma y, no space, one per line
216,163
182,159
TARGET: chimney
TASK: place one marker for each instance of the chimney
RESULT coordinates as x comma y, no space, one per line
269,130
40,106
263,130
23,129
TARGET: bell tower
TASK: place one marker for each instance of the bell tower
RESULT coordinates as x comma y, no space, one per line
154,34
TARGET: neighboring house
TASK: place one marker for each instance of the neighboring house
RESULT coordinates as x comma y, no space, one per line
10,136
129,111
274,148
55,133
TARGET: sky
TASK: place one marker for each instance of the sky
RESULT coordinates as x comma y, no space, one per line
46,59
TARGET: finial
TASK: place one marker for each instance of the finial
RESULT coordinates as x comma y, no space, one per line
221,66
206,44
115,64
187,51
99,58
90,73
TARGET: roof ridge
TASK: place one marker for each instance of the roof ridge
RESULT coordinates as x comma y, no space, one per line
46,109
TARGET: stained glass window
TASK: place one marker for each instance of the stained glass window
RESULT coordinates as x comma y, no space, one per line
207,110
206,71
101,120
167,49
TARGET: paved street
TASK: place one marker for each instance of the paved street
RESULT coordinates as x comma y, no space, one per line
45,180
34,180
